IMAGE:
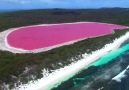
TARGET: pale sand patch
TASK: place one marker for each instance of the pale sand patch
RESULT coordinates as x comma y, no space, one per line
60,75
3,42
6,47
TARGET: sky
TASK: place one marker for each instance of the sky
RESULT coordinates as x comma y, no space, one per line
42,4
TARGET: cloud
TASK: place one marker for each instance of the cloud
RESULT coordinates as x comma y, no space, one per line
65,3
36,1
17,1
54,1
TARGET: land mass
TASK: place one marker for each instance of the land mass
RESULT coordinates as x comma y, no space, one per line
21,67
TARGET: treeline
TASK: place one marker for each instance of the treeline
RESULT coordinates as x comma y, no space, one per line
30,17
12,66
23,67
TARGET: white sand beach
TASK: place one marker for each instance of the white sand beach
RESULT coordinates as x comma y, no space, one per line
58,76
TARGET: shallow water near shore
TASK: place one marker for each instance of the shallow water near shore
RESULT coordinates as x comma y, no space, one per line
100,73
73,72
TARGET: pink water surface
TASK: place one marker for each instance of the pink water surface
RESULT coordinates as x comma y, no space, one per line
35,37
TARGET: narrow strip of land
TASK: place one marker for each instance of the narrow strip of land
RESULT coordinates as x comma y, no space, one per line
55,78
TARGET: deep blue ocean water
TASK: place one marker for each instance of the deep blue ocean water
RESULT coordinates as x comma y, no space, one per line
99,75
2,11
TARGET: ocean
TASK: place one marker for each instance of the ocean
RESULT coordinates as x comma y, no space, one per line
2,11
110,72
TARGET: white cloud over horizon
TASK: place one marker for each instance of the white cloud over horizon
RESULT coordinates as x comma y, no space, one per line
62,3
29,1
16,1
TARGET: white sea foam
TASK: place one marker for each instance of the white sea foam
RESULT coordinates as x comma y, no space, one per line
120,75
62,74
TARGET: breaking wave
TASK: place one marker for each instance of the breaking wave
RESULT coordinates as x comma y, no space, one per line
60,78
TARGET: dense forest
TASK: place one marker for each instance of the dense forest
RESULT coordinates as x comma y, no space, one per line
13,66
30,17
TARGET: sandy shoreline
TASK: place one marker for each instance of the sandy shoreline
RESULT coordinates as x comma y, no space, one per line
3,42
6,47
55,78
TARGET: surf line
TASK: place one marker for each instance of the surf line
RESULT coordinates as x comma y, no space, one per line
55,78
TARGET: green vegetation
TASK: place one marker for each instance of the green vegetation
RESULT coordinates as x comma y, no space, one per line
13,66
30,17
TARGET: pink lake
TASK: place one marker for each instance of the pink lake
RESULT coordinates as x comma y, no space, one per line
36,37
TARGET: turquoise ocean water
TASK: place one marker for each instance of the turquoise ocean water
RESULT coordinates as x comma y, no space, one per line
100,73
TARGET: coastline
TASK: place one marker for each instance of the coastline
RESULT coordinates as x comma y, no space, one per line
58,76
